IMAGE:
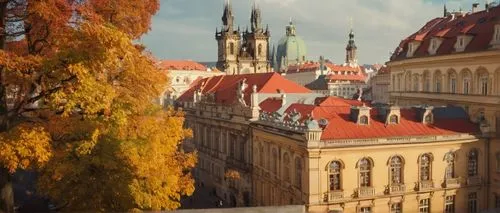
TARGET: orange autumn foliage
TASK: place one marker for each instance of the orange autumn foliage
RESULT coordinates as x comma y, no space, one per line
76,103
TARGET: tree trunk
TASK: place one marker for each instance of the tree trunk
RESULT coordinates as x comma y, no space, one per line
6,192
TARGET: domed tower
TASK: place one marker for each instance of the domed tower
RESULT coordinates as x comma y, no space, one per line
351,48
291,49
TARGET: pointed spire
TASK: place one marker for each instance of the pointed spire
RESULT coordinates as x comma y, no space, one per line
227,16
445,11
255,18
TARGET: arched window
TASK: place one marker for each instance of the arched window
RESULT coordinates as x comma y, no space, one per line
334,175
472,163
365,169
450,166
396,170
437,81
466,82
427,82
274,163
260,49
393,119
231,48
363,120
286,167
483,83
453,82
425,167
298,172
415,83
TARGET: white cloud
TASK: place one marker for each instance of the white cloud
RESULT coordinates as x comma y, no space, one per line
185,29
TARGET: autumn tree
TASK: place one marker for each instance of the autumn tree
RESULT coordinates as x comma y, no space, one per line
76,104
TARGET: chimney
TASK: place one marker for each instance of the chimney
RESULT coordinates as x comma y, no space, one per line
487,6
283,99
475,7
360,115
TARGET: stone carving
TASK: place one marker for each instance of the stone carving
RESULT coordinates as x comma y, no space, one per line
240,92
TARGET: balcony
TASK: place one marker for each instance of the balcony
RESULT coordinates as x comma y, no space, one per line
474,181
397,189
452,183
425,185
365,191
335,195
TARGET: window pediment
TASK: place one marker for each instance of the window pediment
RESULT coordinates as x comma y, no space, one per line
495,40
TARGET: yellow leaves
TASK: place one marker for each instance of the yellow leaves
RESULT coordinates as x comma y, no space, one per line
25,146
87,146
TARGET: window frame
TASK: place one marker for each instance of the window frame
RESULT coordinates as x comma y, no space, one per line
427,169
449,204
335,176
472,202
396,170
365,172
473,163
424,205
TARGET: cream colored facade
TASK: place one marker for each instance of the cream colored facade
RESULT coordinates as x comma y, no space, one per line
379,84
180,80
300,171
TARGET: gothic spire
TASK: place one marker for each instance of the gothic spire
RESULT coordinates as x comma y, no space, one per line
255,18
445,11
227,16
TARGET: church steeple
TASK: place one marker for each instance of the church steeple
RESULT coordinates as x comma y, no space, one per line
227,16
351,49
445,11
255,19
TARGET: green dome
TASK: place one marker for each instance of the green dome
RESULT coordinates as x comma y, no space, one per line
291,49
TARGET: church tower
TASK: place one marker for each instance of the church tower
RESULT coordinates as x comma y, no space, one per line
254,57
351,58
228,42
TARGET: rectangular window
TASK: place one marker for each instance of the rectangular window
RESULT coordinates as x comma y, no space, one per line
334,181
497,201
424,206
449,205
472,203
232,148
396,208
365,210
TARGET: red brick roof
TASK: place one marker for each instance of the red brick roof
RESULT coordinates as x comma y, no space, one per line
224,87
480,25
337,110
356,77
182,65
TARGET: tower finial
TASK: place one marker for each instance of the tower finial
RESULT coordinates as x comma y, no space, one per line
291,21
350,23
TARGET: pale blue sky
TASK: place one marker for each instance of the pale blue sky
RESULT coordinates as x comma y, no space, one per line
184,29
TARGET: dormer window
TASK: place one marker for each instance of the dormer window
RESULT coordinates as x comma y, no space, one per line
363,120
495,41
462,42
393,119
434,45
412,47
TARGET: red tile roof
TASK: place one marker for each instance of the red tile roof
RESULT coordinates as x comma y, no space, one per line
270,105
341,127
305,67
181,65
224,87
479,24
384,70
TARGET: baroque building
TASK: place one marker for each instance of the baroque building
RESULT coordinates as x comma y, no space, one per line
182,75
219,110
455,60
243,52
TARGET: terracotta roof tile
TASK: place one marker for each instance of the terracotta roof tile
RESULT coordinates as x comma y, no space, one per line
270,105
479,24
341,127
224,87
182,65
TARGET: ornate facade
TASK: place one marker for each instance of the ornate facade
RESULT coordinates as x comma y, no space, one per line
455,60
219,111
346,157
243,52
